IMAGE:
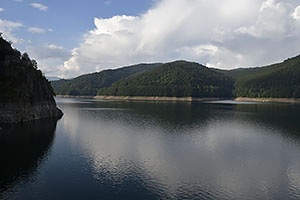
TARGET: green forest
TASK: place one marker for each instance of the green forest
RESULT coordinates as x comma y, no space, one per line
276,81
16,73
89,84
188,79
176,79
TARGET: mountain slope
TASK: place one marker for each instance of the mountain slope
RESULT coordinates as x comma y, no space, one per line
242,73
25,94
274,81
280,80
89,84
176,79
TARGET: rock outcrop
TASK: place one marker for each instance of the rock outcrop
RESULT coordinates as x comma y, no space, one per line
25,94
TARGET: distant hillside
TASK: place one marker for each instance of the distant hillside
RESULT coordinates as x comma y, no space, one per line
280,80
241,73
52,78
176,79
182,79
25,94
89,84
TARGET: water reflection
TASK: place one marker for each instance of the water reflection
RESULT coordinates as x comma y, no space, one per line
23,148
282,117
146,150
189,150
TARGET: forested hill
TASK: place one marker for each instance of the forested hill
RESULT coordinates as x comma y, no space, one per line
182,79
175,79
25,94
280,80
89,84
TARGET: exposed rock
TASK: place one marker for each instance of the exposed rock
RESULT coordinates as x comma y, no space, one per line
25,94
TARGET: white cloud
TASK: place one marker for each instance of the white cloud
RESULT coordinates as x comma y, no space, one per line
36,30
296,14
18,0
9,25
1,9
273,21
6,27
39,6
224,34
48,51
49,57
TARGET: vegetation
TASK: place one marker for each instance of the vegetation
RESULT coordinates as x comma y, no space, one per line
15,71
89,84
25,93
186,79
176,79
276,81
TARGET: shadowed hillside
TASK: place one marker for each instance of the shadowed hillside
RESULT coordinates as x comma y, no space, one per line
89,84
280,80
25,94
176,79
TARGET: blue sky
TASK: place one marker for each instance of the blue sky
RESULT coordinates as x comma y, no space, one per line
71,38
68,20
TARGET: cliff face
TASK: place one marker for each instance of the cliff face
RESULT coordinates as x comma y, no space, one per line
25,94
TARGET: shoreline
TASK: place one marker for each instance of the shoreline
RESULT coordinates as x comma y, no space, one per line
275,100
184,99
141,98
72,96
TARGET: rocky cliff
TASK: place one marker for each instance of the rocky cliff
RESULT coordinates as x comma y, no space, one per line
25,94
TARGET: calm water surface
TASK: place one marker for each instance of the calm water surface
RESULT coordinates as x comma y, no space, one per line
144,150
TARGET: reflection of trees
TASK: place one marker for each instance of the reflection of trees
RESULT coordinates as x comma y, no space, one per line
23,147
169,115
283,116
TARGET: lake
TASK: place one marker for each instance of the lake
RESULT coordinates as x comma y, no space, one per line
150,150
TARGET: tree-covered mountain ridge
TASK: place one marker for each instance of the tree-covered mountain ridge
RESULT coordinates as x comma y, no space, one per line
175,79
281,80
25,94
189,79
89,84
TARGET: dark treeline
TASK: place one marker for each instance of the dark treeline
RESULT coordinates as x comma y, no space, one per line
176,79
187,79
15,71
276,81
89,84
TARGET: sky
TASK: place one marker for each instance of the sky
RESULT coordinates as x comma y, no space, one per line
69,38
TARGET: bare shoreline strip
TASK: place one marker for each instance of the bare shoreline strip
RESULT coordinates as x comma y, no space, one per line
141,98
182,99
72,96
279,100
